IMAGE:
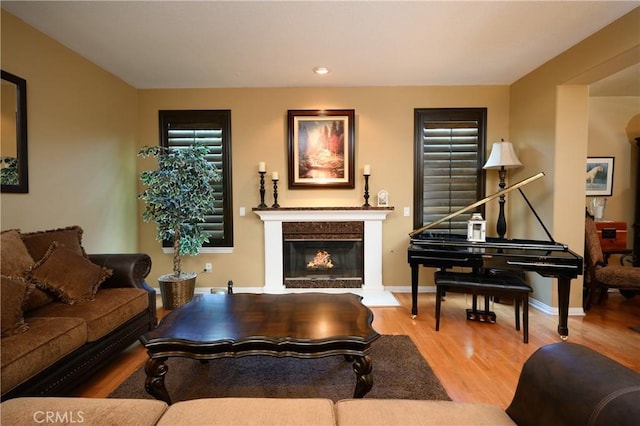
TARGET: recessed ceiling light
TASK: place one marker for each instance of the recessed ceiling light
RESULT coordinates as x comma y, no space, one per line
321,70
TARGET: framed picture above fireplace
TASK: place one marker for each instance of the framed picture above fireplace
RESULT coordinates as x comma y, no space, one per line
321,148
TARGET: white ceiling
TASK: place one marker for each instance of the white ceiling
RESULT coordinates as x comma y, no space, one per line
196,44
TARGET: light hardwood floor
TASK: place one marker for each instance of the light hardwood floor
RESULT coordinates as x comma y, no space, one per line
476,362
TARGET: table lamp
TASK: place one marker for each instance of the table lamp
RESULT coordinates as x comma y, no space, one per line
502,157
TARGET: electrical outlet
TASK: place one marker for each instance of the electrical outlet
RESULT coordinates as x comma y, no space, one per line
208,267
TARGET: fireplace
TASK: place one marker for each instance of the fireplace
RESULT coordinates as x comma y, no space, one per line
323,254
277,220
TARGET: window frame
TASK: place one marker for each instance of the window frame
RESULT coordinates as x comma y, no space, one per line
220,119
446,114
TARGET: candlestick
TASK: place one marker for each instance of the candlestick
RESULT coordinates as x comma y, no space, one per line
366,191
275,204
262,204
367,170
262,167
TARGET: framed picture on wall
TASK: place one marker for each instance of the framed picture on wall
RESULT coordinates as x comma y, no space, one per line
599,176
321,148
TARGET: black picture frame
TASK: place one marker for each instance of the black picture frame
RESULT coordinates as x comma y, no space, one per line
15,158
599,176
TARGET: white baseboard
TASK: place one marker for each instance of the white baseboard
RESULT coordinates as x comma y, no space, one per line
407,289
534,303
551,310
369,298
378,299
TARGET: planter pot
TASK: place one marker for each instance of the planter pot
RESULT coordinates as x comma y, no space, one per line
176,291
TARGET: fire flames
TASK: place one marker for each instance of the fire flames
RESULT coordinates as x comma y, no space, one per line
322,260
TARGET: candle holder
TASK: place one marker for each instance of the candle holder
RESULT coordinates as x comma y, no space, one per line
275,204
366,191
262,205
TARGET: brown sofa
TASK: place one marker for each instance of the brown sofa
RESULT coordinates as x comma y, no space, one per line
66,313
560,384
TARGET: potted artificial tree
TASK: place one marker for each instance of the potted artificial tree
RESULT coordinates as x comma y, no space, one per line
9,173
179,193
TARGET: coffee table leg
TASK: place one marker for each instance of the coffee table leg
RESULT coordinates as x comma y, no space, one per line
154,383
364,378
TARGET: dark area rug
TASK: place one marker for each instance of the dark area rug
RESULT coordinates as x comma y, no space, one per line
399,371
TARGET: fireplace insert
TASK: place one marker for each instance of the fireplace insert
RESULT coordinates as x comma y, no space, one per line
323,255
322,264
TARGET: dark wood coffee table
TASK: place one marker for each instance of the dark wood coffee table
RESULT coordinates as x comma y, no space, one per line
309,325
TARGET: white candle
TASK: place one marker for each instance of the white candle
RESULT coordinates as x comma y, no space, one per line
274,176
367,170
262,167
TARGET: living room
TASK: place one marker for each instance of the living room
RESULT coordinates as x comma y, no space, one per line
86,126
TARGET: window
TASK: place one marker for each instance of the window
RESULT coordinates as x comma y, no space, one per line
212,128
449,155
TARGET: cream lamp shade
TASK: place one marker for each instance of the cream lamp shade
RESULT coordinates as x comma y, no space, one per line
502,155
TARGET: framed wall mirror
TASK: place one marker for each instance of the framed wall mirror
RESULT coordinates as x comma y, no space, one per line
14,175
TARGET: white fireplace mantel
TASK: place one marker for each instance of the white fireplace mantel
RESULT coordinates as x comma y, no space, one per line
273,219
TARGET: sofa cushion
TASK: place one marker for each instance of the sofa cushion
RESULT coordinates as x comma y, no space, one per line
90,411
250,411
16,259
412,412
36,298
111,308
72,277
13,291
47,341
39,242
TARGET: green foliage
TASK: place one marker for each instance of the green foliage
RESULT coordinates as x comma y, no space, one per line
179,193
9,171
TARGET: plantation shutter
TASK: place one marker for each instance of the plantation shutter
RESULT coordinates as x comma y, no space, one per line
450,154
210,128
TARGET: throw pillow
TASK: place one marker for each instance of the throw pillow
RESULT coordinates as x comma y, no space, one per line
36,299
67,274
14,254
14,290
39,242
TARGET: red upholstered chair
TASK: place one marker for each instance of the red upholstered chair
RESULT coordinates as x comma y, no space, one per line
600,275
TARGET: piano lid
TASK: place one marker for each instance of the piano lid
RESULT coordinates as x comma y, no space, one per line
436,239
486,200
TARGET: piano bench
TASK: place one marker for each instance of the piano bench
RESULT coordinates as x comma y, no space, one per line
486,285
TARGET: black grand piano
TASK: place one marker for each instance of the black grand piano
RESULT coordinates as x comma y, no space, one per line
445,250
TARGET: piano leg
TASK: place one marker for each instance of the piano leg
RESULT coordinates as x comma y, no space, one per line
414,290
564,287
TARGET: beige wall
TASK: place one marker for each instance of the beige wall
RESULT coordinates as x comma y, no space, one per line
549,124
384,139
85,127
613,125
81,140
